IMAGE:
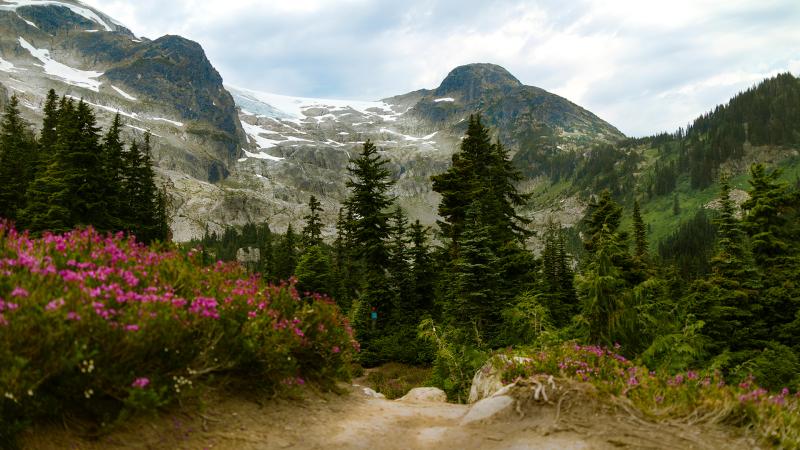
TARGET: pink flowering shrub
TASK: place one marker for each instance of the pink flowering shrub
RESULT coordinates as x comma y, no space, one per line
88,321
774,416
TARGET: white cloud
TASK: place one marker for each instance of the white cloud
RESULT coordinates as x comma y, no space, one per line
645,66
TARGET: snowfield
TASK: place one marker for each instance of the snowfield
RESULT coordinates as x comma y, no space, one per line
76,77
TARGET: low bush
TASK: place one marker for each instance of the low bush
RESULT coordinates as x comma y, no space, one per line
660,395
394,380
102,326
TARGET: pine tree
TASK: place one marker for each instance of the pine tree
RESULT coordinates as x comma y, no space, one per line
676,205
422,270
114,172
49,204
459,186
602,213
639,233
368,202
78,145
602,290
312,232
314,271
15,160
368,227
286,255
471,306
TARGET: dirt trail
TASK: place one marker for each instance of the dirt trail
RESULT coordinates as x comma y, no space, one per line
358,421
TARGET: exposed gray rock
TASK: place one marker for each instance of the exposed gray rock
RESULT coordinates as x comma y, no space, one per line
491,408
424,394
488,379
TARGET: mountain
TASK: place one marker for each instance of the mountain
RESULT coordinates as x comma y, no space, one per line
231,156
167,85
304,144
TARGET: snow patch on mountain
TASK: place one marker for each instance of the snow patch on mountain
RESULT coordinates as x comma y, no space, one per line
173,122
262,156
123,93
6,66
445,99
76,77
288,107
407,137
85,12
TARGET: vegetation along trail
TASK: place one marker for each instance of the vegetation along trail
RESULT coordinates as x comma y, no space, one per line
362,420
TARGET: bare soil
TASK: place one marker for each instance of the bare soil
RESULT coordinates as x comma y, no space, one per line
355,420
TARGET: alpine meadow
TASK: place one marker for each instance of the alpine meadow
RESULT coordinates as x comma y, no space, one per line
185,263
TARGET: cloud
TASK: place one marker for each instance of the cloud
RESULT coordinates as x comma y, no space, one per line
643,66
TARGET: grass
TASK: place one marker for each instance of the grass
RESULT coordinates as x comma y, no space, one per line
394,380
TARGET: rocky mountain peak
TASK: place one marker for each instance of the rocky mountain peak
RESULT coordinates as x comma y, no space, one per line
471,81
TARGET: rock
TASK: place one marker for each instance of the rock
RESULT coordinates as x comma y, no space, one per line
424,394
488,380
371,393
489,408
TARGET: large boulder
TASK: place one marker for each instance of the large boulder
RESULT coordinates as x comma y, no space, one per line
424,394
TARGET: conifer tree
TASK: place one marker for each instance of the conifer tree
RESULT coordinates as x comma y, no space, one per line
639,233
422,270
602,290
314,271
368,202
15,160
471,306
286,255
114,171
312,232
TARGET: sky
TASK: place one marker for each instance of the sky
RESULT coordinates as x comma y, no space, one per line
644,66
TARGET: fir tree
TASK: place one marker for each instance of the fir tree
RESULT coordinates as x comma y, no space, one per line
314,271
639,233
286,255
368,202
15,160
312,232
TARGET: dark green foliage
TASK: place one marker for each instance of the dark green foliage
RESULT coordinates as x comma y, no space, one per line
314,271
558,290
312,232
639,234
285,256
17,163
691,246
71,178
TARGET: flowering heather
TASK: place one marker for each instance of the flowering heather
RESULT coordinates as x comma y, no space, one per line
88,321
775,417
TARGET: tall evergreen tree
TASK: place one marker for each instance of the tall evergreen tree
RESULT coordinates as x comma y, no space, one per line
312,232
15,160
368,202
286,255
639,233
114,172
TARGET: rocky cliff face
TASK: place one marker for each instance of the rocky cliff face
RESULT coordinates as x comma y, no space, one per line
167,86
233,156
304,145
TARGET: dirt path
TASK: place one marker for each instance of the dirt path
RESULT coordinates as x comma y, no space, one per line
358,421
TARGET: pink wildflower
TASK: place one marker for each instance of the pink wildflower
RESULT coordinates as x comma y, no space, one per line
299,332
140,383
336,349
132,327
19,292
72,315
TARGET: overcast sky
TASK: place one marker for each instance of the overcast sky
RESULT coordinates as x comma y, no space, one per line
643,65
